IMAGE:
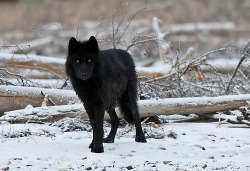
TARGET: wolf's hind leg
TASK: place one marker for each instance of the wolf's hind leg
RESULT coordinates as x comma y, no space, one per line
131,106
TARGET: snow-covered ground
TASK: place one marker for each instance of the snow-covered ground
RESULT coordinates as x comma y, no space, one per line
172,146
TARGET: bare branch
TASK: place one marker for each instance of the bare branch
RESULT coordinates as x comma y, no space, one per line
243,57
25,81
130,20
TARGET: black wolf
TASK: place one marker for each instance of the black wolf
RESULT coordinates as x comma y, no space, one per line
104,79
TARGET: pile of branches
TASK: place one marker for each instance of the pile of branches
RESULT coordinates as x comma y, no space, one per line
201,76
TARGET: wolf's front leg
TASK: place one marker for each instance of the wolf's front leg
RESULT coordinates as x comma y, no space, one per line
96,145
90,113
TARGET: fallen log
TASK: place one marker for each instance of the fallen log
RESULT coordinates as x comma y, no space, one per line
209,27
185,106
44,114
30,46
17,97
54,61
54,67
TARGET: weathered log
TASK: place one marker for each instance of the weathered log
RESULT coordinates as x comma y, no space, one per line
192,105
44,114
30,46
209,27
196,105
16,97
52,66
54,61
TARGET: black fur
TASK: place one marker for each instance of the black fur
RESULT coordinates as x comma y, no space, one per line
104,79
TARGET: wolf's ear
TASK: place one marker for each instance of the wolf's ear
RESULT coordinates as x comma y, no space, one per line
93,45
73,45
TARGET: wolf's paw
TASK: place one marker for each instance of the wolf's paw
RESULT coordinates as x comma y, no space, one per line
97,149
108,140
141,139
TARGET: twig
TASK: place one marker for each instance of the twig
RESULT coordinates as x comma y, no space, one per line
157,29
59,29
139,42
18,48
130,20
43,69
116,30
219,122
65,83
77,31
243,57
22,78
200,87
216,50
150,38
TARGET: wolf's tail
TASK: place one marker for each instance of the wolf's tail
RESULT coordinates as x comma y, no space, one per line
126,112
129,110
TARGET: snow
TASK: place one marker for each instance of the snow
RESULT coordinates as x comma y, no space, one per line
195,100
44,113
196,146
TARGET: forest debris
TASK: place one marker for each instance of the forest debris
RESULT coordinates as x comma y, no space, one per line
30,46
164,47
243,57
17,97
45,102
4,57
197,105
208,26
54,66
44,114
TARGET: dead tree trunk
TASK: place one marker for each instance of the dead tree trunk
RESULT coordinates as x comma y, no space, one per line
196,105
193,105
30,46
16,97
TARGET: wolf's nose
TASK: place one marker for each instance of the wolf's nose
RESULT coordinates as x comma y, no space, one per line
84,76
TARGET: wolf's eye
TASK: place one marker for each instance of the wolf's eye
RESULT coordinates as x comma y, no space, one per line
89,61
77,61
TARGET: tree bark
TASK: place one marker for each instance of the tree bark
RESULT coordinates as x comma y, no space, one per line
196,105
17,97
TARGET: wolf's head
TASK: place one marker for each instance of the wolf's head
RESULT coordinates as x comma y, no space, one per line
82,58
